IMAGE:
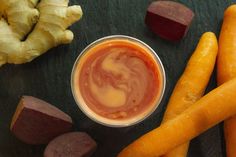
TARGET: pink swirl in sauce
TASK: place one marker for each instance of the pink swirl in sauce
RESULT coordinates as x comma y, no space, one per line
119,81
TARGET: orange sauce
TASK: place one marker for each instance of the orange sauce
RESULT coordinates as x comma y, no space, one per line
119,79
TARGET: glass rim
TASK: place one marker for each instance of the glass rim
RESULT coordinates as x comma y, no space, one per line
156,103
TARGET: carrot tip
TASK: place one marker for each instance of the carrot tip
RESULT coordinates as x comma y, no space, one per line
230,11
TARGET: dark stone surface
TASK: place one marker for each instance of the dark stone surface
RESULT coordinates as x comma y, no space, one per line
48,77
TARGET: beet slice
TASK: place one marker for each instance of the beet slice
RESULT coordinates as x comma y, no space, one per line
170,20
37,122
75,144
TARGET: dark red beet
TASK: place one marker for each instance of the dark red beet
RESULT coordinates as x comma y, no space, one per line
170,20
37,122
75,144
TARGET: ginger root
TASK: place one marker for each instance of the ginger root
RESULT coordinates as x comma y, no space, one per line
44,25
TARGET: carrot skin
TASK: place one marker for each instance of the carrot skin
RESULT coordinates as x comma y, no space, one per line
230,136
192,84
211,109
226,61
226,70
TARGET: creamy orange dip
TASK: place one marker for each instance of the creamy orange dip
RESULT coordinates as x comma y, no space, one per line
118,79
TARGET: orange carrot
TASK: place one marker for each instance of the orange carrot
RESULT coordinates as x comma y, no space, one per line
211,109
192,84
226,70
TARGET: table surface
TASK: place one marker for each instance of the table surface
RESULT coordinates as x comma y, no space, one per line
48,77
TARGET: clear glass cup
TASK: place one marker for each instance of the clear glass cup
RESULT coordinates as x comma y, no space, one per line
114,122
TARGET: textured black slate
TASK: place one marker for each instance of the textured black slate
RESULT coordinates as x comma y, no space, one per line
48,77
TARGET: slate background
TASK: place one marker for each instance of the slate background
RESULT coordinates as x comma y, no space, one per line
48,77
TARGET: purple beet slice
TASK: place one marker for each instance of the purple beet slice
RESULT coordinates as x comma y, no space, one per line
75,144
170,20
37,122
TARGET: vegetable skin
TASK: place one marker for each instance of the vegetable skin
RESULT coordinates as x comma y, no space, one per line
49,31
226,70
73,144
37,122
168,19
192,84
216,106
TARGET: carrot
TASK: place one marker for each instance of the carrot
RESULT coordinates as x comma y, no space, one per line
226,70
192,84
211,109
